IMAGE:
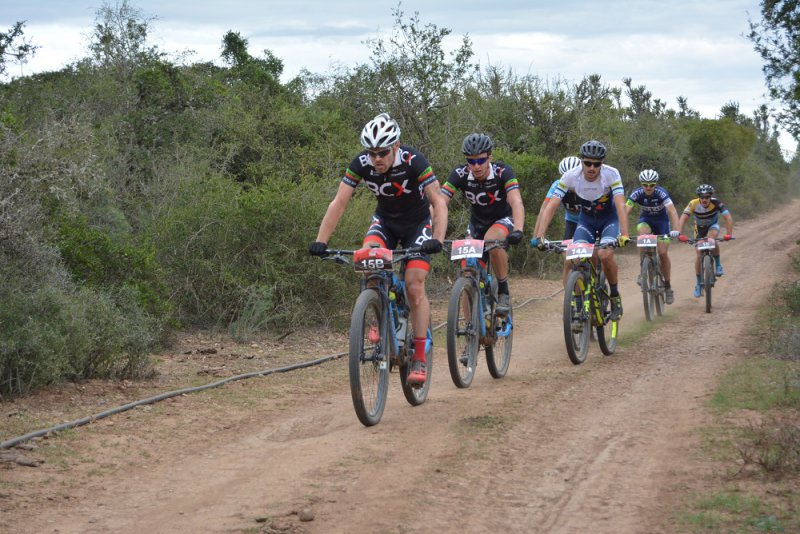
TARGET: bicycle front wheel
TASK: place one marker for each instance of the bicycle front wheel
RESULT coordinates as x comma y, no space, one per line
463,332
498,353
369,358
576,321
607,329
415,394
647,280
708,279
659,292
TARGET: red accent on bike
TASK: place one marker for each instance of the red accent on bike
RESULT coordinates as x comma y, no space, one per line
682,238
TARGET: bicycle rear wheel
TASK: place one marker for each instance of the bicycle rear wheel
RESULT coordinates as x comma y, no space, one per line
576,321
646,275
708,279
607,330
498,354
463,332
414,394
368,360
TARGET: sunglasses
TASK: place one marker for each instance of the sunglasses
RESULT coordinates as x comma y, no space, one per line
648,185
592,163
379,153
477,161
705,197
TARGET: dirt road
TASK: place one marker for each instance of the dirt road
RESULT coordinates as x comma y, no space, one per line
602,447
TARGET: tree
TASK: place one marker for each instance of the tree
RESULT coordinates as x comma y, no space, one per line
120,38
777,39
13,45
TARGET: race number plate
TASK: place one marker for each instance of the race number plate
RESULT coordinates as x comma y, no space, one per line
579,250
646,240
707,243
466,248
372,259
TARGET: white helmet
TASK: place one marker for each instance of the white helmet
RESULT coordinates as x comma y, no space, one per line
648,176
570,162
380,132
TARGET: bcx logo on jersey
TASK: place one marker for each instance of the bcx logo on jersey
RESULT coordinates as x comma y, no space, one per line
389,189
484,198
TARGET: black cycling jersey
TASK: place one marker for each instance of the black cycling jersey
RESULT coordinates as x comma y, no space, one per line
488,197
400,190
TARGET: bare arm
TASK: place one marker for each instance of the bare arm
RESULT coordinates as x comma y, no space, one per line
619,202
546,216
682,221
672,213
334,212
517,209
439,207
728,223
539,217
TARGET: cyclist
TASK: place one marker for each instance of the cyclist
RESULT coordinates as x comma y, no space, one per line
411,212
656,216
706,210
571,205
601,195
496,211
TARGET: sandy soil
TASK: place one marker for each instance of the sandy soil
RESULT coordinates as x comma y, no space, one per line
606,447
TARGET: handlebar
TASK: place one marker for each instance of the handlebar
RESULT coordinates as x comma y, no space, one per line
340,255
487,244
559,246
693,240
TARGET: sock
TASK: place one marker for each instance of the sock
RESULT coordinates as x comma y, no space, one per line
419,348
502,286
717,260
614,290
666,285
698,279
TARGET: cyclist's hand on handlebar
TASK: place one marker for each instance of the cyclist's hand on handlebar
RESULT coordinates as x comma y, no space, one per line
623,240
431,246
675,234
728,237
515,237
539,242
317,248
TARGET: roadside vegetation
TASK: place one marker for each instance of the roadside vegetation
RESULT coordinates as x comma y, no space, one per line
755,437
143,193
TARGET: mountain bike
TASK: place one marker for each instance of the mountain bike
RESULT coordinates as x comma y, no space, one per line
650,278
381,334
708,274
472,318
587,301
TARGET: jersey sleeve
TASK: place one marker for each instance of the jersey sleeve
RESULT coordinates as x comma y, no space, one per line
452,184
354,173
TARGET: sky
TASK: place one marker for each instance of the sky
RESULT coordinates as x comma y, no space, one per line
687,48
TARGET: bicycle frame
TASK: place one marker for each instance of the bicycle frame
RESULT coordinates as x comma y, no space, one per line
653,290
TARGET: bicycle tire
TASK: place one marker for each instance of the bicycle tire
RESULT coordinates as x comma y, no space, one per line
368,361
498,353
576,322
708,279
606,331
659,295
463,329
646,274
416,395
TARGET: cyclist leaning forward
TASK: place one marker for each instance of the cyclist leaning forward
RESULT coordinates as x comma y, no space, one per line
600,192
706,210
496,210
572,209
656,215
403,181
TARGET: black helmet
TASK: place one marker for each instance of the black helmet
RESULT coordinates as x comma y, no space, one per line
476,143
704,189
593,149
